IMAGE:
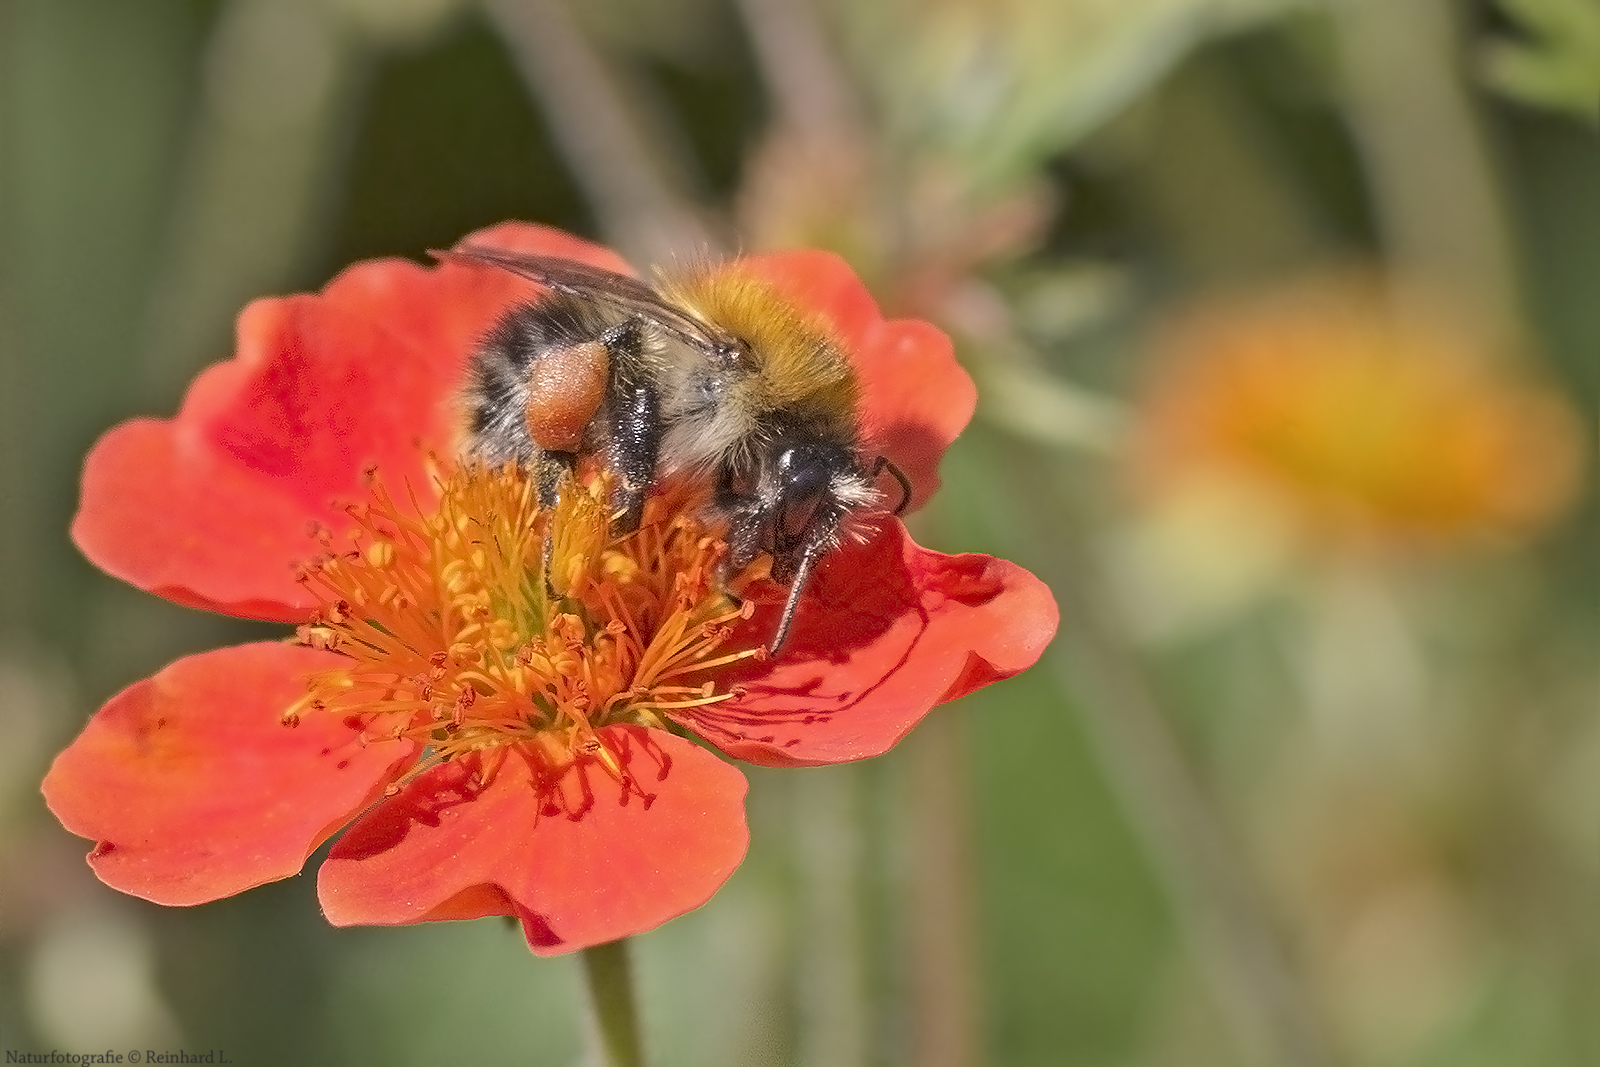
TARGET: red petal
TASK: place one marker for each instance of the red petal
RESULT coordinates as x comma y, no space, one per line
195,790
577,871
886,631
917,399
211,508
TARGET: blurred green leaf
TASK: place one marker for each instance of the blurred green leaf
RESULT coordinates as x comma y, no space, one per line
1557,66
999,88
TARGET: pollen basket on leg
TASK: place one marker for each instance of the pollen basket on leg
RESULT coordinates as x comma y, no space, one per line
485,622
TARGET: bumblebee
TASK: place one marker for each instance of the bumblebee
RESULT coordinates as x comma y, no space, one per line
712,376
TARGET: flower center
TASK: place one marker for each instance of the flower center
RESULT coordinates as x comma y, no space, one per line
492,622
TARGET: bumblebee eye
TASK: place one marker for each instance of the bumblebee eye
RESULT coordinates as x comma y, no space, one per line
804,471
805,475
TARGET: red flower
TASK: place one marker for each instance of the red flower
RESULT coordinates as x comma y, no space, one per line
494,751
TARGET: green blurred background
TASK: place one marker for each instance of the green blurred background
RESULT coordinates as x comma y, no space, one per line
1331,812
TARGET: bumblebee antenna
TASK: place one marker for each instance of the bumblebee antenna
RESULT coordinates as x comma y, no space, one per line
884,463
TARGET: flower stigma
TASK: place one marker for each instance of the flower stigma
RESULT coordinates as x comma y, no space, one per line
493,625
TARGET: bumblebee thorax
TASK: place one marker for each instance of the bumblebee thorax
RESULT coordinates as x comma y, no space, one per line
795,359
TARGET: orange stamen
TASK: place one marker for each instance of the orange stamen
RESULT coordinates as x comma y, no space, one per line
459,638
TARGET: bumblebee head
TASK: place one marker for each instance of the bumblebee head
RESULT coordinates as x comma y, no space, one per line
811,488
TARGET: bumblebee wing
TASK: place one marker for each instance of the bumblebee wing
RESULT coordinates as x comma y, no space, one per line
628,295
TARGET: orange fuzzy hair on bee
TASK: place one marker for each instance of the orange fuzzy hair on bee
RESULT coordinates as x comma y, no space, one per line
799,363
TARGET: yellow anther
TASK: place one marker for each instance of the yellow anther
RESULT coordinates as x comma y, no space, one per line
454,643
380,554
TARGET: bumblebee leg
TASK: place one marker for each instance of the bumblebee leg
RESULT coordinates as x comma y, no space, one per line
744,541
635,442
634,430
791,604
747,522
799,561
551,470
747,526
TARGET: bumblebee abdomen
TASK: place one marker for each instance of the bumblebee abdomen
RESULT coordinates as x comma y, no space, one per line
536,381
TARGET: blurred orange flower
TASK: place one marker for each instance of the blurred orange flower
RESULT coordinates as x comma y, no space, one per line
1361,423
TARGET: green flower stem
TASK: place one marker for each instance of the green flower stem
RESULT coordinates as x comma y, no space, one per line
616,1020
1429,166
1220,906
